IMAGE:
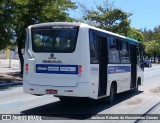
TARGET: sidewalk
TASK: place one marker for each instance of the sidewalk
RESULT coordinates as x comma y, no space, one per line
10,76
4,66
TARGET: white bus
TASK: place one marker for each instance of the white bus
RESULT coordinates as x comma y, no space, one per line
77,60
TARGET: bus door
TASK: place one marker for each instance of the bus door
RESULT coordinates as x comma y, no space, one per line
133,56
102,58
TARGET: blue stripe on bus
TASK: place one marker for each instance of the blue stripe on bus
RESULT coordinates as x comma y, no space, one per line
118,69
56,69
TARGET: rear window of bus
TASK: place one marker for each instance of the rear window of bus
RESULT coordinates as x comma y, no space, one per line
54,40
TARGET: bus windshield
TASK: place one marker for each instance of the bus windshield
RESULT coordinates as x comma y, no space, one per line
56,41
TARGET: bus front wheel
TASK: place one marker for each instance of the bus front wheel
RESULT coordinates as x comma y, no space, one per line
135,90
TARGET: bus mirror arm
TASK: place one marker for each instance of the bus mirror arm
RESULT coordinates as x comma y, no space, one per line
30,54
27,45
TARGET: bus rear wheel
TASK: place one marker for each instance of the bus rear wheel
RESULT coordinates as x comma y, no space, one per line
112,95
66,99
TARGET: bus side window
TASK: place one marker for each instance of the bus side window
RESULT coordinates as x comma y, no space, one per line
141,57
93,47
114,51
138,56
124,52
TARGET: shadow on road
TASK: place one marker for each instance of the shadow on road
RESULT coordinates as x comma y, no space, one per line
8,87
79,109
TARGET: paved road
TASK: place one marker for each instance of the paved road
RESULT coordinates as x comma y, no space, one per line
146,101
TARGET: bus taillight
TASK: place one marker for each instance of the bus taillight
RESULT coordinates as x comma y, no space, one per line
26,67
80,69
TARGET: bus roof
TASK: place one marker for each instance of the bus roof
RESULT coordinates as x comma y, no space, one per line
131,39
114,34
50,24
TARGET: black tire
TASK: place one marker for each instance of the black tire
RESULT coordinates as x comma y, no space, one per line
65,99
112,96
135,90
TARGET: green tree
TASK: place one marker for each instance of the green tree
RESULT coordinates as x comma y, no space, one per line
108,18
26,12
152,42
147,34
111,19
5,30
152,48
135,34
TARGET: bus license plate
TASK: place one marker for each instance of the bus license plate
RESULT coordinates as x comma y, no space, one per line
51,91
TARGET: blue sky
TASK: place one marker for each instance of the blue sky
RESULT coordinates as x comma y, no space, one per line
145,12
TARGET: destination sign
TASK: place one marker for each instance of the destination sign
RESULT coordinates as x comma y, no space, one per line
64,27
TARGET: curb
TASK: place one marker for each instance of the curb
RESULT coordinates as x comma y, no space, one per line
10,84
